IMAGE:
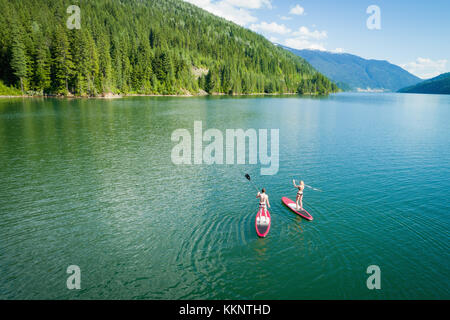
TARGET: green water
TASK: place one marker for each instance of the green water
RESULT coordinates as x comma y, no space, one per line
91,183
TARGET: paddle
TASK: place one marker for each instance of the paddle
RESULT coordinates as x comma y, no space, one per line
315,189
249,179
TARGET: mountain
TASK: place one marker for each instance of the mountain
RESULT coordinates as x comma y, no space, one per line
437,85
351,72
144,47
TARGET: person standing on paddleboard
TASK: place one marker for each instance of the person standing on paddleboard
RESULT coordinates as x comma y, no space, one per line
263,200
299,199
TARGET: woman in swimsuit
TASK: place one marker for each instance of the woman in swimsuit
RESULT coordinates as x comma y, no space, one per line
299,199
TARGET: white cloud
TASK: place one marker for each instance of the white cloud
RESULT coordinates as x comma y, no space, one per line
304,38
297,10
233,10
338,50
305,33
285,18
226,10
426,68
250,4
298,43
272,27
199,3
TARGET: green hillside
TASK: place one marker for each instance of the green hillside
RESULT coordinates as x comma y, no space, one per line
141,46
437,85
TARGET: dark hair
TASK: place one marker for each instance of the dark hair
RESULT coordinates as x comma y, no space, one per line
263,190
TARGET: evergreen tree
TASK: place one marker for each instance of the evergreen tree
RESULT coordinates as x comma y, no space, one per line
80,53
19,61
104,65
93,66
211,82
62,65
41,63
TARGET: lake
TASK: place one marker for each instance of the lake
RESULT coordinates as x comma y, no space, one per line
90,182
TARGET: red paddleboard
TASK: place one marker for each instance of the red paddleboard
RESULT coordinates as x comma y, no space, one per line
291,205
262,223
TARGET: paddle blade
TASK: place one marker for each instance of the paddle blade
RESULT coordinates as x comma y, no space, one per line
247,176
315,189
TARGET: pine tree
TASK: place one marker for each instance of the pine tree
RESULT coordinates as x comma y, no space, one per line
105,68
93,64
79,50
210,82
62,64
41,63
19,61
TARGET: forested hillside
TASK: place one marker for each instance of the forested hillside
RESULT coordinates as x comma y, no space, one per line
141,46
436,85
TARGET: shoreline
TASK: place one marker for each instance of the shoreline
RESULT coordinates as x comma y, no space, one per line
119,96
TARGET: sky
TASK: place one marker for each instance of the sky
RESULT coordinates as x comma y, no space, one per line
412,34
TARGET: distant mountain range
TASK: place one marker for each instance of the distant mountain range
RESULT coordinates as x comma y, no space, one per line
437,85
353,73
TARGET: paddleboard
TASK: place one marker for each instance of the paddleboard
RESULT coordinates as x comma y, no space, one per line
262,223
291,205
